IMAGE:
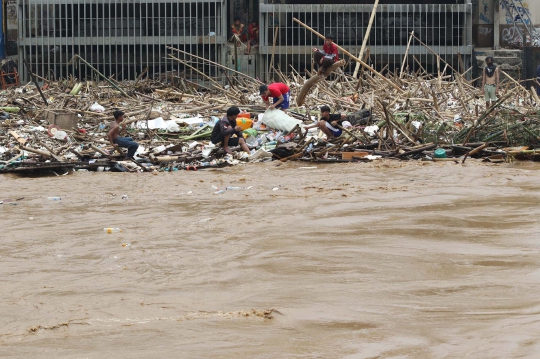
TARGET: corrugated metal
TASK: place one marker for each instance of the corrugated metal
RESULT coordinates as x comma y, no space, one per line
446,29
122,38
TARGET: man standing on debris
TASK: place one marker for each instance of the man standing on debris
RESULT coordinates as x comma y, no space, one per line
328,123
280,93
116,140
490,82
225,128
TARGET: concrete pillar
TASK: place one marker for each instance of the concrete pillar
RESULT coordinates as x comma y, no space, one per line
496,23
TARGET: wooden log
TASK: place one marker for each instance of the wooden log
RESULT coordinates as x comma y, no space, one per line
58,158
418,150
19,139
39,152
476,150
97,149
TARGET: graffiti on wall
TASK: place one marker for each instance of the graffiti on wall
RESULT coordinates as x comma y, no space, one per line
485,31
484,15
515,13
511,37
482,11
11,12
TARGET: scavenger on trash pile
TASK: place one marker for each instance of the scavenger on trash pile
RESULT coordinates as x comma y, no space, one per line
280,93
225,128
116,140
323,60
329,48
328,123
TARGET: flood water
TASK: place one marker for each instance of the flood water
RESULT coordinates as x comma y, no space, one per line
379,260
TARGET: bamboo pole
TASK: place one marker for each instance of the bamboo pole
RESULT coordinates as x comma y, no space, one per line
196,70
273,52
100,74
366,37
212,62
406,54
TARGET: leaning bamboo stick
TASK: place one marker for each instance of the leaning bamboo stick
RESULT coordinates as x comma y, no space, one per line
273,52
406,54
366,36
100,74
212,62
379,75
196,70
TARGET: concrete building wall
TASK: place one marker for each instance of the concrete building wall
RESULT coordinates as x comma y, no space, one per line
12,33
525,13
483,22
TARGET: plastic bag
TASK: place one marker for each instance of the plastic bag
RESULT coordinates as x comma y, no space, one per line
96,107
279,120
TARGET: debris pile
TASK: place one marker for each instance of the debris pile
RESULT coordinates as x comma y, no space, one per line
411,115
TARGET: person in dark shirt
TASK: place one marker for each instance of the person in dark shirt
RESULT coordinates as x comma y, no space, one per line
328,123
225,128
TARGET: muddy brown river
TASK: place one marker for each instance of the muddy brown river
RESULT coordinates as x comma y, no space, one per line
379,260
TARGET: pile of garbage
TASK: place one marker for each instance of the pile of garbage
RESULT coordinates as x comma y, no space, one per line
63,125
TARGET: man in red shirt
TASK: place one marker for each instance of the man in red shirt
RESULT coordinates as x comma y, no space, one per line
329,47
280,93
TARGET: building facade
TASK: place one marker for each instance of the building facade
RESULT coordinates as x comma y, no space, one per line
505,23
123,39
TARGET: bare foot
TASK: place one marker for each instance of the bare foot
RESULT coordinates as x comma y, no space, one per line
228,150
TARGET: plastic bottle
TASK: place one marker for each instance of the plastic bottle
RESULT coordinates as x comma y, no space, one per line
232,188
54,198
112,230
252,141
219,192
261,139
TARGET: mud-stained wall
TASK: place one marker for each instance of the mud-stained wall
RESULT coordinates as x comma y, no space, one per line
11,27
483,19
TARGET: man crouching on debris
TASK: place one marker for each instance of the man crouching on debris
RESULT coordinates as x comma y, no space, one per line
280,93
116,140
323,60
328,123
225,128
490,82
